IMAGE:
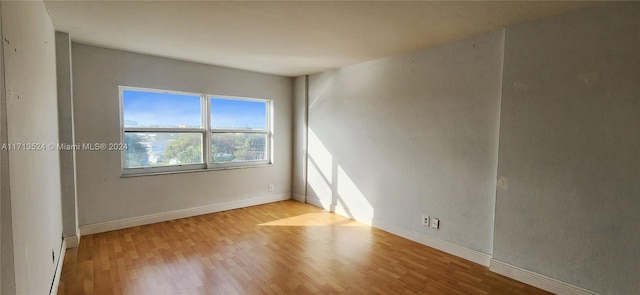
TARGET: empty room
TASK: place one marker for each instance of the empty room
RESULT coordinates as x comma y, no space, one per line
320,147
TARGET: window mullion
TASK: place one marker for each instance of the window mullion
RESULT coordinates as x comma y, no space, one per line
206,144
270,131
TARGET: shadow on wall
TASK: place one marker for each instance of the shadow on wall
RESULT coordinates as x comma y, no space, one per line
333,187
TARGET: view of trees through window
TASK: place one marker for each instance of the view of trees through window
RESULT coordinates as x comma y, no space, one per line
163,149
166,129
227,147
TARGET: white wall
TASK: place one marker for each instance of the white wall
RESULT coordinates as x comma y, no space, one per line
30,77
66,134
417,133
395,138
299,173
569,203
104,196
7,278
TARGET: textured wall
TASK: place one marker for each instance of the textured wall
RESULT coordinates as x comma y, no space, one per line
569,163
104,196
398,137
32,117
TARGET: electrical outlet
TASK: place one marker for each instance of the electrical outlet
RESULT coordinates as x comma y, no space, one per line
425,220
271,187
435,223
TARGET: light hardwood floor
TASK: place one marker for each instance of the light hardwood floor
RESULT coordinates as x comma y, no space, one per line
279,248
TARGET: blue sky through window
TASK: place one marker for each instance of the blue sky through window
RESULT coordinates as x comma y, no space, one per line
156,109
238,114
170,110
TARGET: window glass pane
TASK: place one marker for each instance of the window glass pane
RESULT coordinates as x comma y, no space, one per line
156,109
238,114
238,147
147,149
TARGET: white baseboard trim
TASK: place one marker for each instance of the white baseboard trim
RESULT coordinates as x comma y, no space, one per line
72,242
537,280
299,197
340,210
56,278
444,246
177,214
316,202
357,216
448,247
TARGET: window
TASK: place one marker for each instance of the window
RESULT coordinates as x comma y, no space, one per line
239,130
166,131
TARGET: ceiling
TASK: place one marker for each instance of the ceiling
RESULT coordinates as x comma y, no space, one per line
288,38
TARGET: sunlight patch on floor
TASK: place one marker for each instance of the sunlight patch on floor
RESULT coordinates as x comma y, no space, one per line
314,219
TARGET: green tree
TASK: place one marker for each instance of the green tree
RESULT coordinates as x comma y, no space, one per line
224,146
252,148
242,155
186,148
136,153
192,155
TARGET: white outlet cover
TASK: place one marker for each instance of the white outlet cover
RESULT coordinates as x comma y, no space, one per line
435,223
426,220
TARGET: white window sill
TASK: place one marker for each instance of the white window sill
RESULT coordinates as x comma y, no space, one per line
150,173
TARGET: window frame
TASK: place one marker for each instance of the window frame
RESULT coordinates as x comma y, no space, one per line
268,132
206,132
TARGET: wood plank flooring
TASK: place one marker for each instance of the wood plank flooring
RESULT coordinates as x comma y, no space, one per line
279,248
